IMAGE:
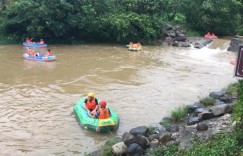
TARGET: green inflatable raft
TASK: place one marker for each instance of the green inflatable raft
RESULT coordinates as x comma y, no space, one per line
94,124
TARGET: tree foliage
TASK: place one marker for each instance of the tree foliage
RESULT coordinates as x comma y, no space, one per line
221,17
114,20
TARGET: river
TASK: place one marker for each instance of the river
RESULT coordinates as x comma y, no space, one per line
37,98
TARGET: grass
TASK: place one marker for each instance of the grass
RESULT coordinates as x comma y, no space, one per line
179,114
208,101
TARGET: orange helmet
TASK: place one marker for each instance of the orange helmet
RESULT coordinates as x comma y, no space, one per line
102,103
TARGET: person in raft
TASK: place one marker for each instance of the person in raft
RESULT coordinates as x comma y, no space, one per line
41,41
30,52
103,112
91,104
27,40
48,53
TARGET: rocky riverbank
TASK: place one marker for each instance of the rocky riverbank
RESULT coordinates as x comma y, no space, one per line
204,119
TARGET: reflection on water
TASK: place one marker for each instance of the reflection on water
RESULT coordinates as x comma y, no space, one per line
39,65
37,98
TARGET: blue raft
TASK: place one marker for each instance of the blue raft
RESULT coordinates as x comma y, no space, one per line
39,58
33,44
93,124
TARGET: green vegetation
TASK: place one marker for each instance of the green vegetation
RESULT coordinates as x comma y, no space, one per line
220,144
165,151
166,123
208,101
179,114
121,21
232,89
238,113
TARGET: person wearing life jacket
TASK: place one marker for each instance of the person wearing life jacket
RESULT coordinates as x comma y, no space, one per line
103,112
91,104
48,53
41,41
30,52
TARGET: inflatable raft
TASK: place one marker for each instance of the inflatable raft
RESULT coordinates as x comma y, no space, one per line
134,47
33,44
94,124
211,36
39,58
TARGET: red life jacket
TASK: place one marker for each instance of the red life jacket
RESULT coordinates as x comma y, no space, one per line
104,113
91,104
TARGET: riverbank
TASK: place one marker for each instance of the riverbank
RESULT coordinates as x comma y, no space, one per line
188,130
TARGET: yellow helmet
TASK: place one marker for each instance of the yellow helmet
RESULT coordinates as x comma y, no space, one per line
91,94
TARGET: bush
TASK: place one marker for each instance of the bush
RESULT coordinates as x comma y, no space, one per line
208,101
179,114
232,89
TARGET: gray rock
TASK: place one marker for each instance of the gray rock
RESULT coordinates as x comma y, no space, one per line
135,150
193,107
142,130
186,140
218,102
202,127
119,148
226,98
205,115
201,110
154,143
142,141
164,137
128,138
193,121
216,95
235,44
219,110
153,136
173,128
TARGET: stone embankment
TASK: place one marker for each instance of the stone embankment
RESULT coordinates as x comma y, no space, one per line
201,124
175,36
235,44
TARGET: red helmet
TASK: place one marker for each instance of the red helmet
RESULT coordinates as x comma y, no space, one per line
102,103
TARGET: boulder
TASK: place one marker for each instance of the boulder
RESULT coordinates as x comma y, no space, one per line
202,127
142,130
119,148
128,138
193,120
135,150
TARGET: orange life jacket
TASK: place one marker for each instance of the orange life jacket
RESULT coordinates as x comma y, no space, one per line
31,52
91,104
48,53
104,113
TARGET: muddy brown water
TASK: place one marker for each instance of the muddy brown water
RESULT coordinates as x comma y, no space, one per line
37,98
